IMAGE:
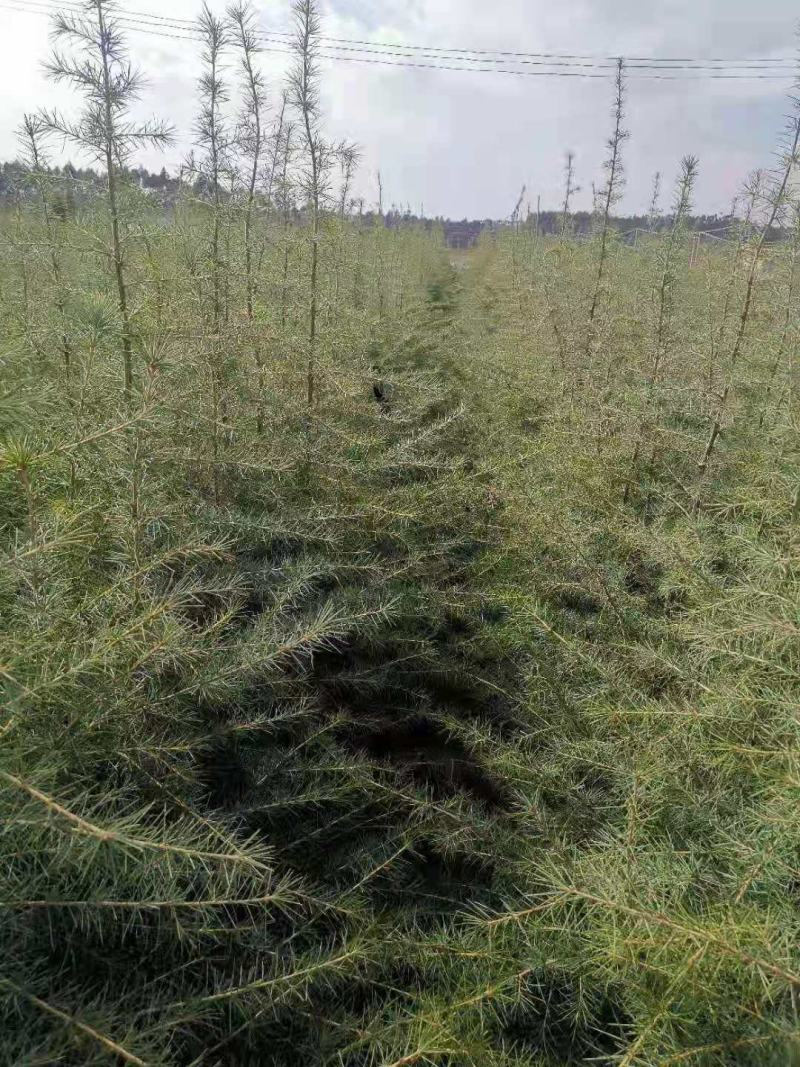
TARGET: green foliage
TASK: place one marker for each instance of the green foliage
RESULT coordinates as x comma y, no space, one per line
448,719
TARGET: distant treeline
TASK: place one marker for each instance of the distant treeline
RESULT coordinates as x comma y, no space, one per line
81,185
465,234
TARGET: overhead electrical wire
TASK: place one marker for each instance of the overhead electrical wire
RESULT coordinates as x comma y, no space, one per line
189,23
379,48
425,57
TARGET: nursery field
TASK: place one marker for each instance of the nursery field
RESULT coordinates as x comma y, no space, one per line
399,647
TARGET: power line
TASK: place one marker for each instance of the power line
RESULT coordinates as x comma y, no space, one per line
26,6
286,50
579,67
728,61
191,26
559,62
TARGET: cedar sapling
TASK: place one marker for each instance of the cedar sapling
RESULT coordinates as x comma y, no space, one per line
550,272
654,211
788,334
776,197
250,143
607,199
665,308
743,230
32,135
304,82
277,139
214,139
286,205
97,66
570,189
212,136
348,156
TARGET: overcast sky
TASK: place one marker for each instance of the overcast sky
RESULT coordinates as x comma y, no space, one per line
462,144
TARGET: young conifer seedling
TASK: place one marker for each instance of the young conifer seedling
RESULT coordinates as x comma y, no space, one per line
606,200
251,143
96,63
304,83
776,197
665,308
32,137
